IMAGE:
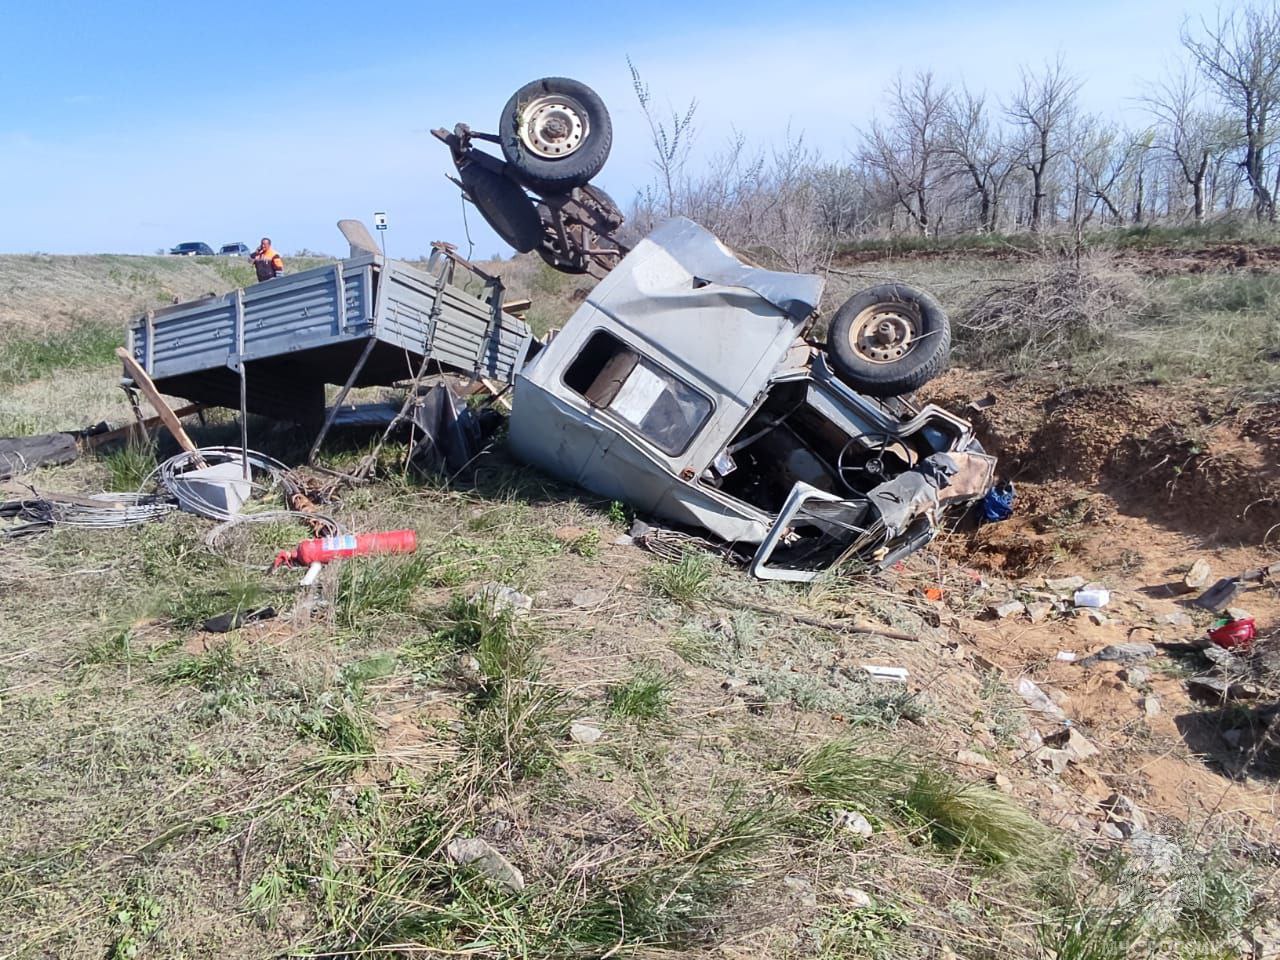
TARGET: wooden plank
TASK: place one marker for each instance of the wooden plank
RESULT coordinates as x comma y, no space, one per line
95,440
167,417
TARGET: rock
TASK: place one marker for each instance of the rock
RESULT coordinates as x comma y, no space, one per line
1222,690
1111,831
1121,653
1007,609
1063,585
971,758
1135,676
801,889
584,733
504,598
1075,744
1221,657
1038,700
1232,738
1239,613
1002,783
1098,617
1055,760
1151,706
1039,611
853,822
1177,618
623,541
853,898
591,597
1124,813
1153,852
1197,576
734,683
478,853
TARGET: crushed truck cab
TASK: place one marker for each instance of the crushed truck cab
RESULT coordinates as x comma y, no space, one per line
684,386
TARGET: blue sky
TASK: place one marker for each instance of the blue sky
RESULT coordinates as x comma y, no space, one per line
128,126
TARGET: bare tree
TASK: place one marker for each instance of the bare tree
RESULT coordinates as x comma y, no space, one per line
1240,55
1041,108
1188,132
671,143
906,148
976,152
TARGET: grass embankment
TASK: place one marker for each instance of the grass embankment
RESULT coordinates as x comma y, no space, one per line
61,317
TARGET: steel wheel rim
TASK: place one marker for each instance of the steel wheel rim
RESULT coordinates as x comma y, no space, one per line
885,332
553,126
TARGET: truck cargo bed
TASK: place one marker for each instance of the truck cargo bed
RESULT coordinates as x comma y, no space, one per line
299,332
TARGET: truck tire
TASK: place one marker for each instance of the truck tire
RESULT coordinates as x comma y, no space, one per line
556,134
889,340
504,206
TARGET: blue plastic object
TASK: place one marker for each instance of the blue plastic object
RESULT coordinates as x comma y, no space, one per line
998,503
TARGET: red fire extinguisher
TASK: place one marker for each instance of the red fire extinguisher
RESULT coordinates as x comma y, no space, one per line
324,549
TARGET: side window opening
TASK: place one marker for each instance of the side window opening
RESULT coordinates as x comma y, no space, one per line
663,408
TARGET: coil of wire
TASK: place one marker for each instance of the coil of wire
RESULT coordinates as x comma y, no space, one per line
107,510
171,476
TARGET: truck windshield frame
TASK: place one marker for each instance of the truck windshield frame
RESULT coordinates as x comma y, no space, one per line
664,409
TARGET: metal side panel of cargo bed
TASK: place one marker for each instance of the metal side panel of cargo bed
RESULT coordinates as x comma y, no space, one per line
296,333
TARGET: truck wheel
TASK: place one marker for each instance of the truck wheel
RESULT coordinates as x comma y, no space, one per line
556,134
504,206
889,340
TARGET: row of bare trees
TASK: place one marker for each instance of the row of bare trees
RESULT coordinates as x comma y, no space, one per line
942,158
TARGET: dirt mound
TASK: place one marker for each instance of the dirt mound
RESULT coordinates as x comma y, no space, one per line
1196,462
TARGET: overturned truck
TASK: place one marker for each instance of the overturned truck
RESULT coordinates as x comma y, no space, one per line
688,384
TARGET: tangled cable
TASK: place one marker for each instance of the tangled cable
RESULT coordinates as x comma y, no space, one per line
107,510
171,477
325,526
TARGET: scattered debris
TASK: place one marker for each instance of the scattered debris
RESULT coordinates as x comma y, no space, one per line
1073,743
1222,689
853,822
24,454
1197,576
1121,653
1064,585
1092,596
503,598
235,619
1135,676
853,898
1066,656
1038,700
896,674
1124,813
478,853
584,733
1009,608
1039,610
1235,634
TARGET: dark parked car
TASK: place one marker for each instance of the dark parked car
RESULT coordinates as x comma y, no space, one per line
233,250
192,250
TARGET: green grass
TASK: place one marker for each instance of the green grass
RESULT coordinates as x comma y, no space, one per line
189,607
645,696
1093,934
956,814
686,581
130,465
379,588
24,358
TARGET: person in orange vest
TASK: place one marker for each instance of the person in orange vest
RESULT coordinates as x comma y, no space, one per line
266,261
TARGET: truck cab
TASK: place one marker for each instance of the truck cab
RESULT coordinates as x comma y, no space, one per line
684,385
